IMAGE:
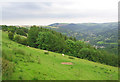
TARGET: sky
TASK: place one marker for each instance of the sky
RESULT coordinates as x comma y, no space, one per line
45,12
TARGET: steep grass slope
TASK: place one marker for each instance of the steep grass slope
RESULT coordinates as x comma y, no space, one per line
34,64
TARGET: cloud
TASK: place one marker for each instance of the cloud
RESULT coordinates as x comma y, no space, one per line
60,10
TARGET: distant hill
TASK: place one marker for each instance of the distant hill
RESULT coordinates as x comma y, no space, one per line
98,34
84,27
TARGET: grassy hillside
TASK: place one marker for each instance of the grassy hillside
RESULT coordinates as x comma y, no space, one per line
33,64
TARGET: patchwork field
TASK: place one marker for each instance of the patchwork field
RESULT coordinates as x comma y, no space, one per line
34,64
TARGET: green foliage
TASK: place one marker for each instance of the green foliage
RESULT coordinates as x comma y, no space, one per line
97,56
24,29
17,38
49,41
86,53
21,40
71,38
18,30
73,47
9,28
70,47
109,59
104,34
32,36
11,35
21,32
70,57
4,27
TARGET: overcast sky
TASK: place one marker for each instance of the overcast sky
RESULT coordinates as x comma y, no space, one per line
44,12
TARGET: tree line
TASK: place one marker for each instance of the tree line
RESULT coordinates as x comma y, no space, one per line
47,39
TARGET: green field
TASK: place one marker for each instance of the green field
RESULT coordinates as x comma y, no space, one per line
34,64
100,42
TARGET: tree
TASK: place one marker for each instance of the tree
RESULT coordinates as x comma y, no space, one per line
49,41
4,27
17,38
71,38
70,45
20,39
12,29
24,29
23,41
32,36
74,39
87,53
21,32
11,35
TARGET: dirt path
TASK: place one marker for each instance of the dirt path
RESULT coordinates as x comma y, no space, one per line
67,63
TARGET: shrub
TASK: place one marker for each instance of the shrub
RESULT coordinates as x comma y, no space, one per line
35,78
23,41
20,77
70,57
21,32
17,38
11,35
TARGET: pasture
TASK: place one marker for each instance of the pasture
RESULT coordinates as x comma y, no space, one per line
34,64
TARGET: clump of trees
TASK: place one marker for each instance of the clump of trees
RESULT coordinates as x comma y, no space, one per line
18,34
48,39
32,36
53,41
18,30
21,40
11,35
21,32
